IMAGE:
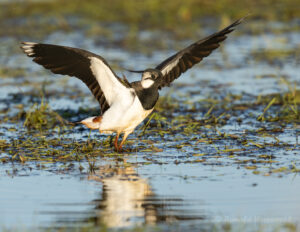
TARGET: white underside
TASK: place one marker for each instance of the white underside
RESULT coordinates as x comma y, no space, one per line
125,111
122,117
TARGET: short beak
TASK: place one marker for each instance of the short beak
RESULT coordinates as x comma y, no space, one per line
135,71
76,123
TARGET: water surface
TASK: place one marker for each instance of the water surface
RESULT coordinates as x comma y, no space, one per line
173,175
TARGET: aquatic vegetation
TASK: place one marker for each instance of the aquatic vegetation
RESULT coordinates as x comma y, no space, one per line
94,16
171,13
41,117
12,72
196,128
204,125
275,56
286,105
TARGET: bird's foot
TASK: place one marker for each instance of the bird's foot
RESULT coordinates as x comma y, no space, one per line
118,150
122,150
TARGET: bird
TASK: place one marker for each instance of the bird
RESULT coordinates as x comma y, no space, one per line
123,105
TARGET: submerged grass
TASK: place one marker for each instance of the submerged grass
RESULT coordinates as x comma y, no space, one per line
275,56
194,128
211,226
41,117
287,106
210,131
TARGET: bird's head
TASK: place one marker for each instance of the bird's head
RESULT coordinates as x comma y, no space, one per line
150,77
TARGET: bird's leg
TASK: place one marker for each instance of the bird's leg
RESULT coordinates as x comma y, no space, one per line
123,140
116,142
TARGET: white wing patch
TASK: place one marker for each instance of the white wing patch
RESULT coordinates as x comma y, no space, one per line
112,88
169,67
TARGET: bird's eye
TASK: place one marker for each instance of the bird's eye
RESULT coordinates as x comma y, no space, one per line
152,76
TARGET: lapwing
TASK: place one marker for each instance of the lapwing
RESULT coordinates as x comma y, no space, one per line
123,105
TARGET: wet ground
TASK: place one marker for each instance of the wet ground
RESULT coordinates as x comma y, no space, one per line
220,152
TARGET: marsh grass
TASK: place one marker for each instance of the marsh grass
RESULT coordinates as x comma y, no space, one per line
214,227
12,72
178,131
41,117
287,105
38,19
152,12
46,140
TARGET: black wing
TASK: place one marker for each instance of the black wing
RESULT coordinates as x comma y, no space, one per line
177,64
73,62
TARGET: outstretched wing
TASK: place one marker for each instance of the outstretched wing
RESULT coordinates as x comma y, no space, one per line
177,64
90,68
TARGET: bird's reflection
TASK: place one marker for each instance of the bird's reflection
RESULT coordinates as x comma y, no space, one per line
127,200
123,194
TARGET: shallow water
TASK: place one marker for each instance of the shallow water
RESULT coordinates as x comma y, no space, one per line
179,178
187,195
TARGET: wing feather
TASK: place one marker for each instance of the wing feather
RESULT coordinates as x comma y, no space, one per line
183,60
79,63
